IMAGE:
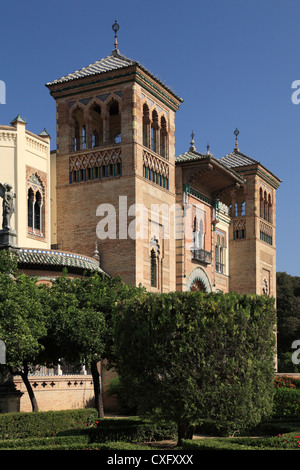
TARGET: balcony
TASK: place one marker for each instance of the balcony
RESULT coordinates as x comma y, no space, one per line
201,255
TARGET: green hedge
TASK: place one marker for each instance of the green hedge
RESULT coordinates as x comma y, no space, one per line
66,443
215,353
289,441
286,401
43,424
132,430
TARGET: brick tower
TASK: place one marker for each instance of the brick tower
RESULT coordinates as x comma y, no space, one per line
114,158
253,226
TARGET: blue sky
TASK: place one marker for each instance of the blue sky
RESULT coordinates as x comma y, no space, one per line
232,61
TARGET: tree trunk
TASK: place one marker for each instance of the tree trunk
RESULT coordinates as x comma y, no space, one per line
24,374
185,431
96,369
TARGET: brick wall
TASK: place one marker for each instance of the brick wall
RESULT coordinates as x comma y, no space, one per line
54,393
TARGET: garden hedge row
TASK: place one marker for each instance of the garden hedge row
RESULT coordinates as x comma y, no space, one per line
68,427
286,401
44,424
132,430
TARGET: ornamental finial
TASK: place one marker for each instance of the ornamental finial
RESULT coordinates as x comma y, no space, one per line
192,143
116,28
236,133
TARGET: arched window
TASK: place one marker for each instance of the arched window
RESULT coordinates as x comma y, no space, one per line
270,218
163,138
38,212
265,202
154,132
35,206
96,126
265,206
78,139
198,233
153,260
30,208
146,126
220,253
114,125
261,203
243,208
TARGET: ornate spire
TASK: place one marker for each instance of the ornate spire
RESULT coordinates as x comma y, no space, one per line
115,28
207,149
192,143
96,252
236,133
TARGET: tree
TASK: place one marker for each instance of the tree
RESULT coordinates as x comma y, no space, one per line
193,356
80,323
22,321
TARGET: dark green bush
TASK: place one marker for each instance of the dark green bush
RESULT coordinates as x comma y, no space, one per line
286,401
281,442
215,353
54,443
29,443
43,424
131,430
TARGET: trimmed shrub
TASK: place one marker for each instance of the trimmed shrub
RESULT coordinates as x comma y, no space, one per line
132,430
43,423
286,401
189,357
280,442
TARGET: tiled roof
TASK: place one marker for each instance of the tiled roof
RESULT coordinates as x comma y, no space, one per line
50,259
194,156
236,159
112,62
191,155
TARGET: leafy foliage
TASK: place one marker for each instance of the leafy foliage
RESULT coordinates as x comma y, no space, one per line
22,320
192,356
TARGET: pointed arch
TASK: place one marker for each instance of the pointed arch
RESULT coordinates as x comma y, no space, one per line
36,202
95,125
197,276
146,126
155,132
164,141
77,128
114,121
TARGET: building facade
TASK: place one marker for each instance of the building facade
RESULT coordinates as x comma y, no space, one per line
186,222
169,222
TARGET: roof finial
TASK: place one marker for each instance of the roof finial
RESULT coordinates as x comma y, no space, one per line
207,149
236,133
116,28
192,147
96,252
